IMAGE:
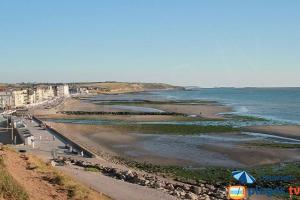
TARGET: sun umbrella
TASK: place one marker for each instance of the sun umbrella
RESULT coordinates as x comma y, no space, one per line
243,177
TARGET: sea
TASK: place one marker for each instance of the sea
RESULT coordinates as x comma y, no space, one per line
280,104
276,104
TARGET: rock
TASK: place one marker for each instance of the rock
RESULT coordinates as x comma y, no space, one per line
210,187
196,190
147,182
143,181
176,193
31,166
170,187
129,174
53,163
186,187
191,196
158,185
182,193
68,162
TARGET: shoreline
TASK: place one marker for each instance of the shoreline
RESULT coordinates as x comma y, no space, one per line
290,131
111,140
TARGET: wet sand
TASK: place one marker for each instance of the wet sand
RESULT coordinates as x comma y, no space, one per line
174,150
291,131
109,140
203,110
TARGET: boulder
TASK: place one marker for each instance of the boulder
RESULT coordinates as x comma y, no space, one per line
191,196
170,187
196,190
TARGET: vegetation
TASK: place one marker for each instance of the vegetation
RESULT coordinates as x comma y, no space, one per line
222,175
176,129
121,87
9,188
92,169
273,145
75,190
120,113
243,118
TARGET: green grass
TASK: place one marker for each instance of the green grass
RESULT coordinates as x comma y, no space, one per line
273,145
9,188
176,129
92,169
243,118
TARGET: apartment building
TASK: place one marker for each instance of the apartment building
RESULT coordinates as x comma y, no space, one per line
62,90
6,100
19,98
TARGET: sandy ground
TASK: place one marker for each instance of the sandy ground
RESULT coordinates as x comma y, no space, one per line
106,140
255,156
33,182
290,131
209,110
112,187
126,118
206,111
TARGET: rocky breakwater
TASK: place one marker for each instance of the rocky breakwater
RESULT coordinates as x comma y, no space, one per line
198,191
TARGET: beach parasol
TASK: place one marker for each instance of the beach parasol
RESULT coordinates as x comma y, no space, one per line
243,177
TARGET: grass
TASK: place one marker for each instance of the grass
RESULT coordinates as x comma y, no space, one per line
75,189
9,188
176,129
273,145
243,118
91,169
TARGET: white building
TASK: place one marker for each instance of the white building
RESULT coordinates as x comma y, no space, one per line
6,100
43,93
63,90
19,98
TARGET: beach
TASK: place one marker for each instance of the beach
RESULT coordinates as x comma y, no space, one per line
155,137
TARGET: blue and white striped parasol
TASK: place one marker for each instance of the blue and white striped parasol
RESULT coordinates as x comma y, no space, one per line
243,177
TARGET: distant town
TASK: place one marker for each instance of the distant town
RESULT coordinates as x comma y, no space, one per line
21,96
25,95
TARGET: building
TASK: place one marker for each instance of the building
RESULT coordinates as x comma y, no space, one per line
62,91
6,100
20,98
43,93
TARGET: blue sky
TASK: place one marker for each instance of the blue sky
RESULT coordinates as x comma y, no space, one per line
183,42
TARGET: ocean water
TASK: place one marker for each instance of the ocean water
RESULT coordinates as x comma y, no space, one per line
282,104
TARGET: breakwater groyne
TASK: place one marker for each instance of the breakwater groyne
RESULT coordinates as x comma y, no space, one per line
119,113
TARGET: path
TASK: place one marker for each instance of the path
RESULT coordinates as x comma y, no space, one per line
114,188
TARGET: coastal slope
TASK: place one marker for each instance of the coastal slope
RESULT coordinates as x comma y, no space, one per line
124,87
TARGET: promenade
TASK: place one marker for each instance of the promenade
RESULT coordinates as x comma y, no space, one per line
45,147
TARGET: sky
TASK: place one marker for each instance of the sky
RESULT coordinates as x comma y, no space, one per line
208,43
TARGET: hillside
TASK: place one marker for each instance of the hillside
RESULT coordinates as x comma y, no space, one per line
3,85
123,87
25,177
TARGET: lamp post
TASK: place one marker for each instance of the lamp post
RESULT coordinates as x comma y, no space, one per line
12,131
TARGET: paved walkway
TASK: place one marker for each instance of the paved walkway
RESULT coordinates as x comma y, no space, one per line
118,190
45,144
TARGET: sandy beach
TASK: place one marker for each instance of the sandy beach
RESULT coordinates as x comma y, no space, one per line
116,140
291,131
